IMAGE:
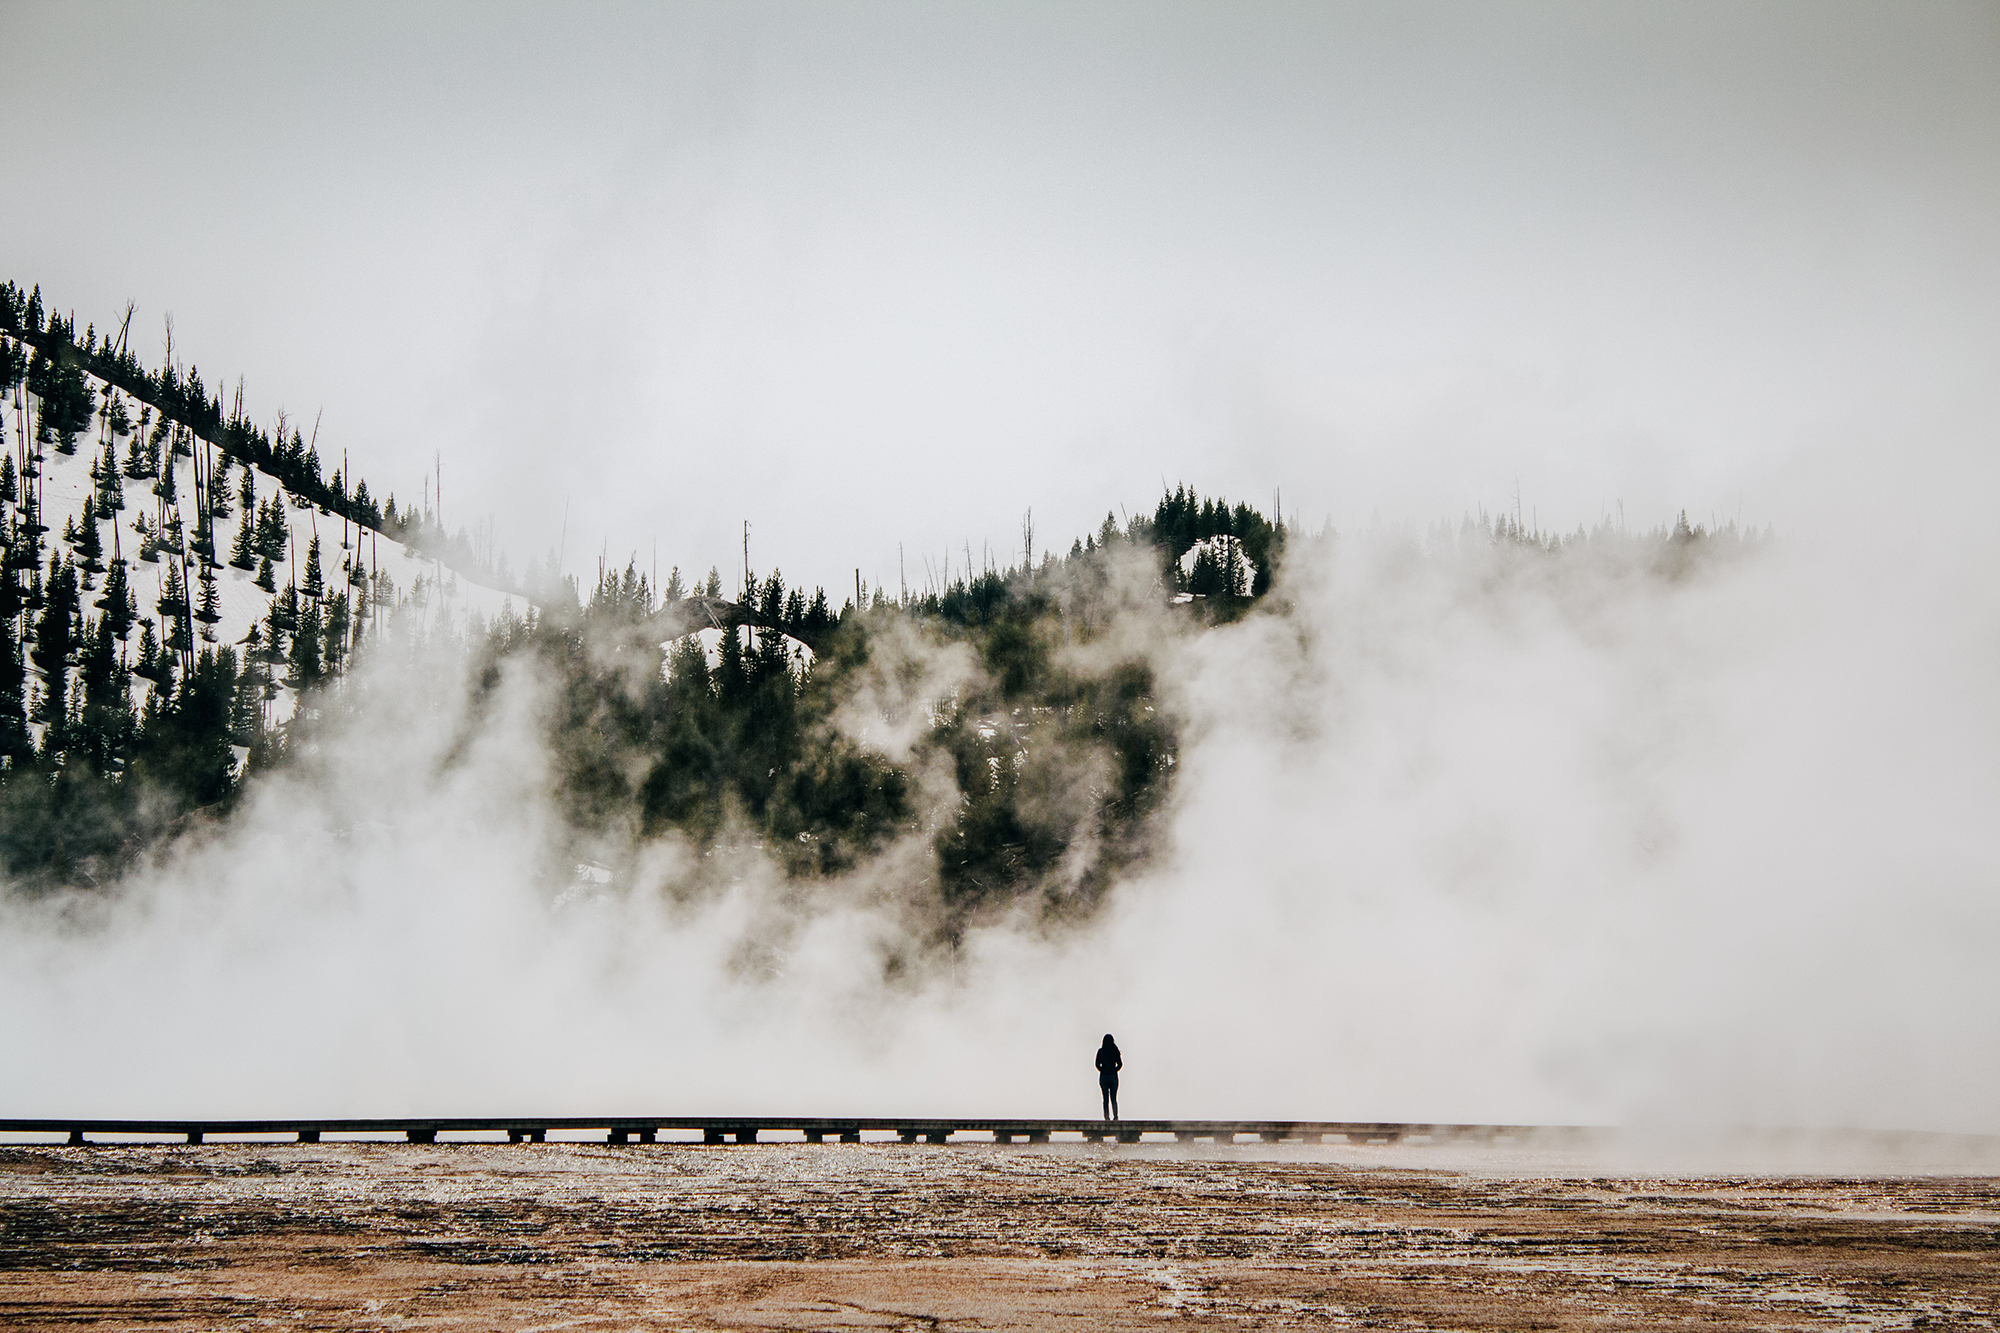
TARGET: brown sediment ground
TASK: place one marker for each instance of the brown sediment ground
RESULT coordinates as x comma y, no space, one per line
585,1237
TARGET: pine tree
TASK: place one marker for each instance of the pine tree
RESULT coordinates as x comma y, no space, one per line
15,739
265,579
247,718
210,610
173,594
89,544
335,633
164,487
306,669
272,534
314,585
731,680
274,633
55,640
148,664
138,461
242,551
118,604
246,494
110,486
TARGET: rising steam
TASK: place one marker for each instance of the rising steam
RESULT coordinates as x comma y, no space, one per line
1459,831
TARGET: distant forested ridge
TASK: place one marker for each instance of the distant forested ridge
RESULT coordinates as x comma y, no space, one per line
170,629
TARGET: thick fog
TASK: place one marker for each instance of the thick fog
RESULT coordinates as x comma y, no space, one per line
1467,834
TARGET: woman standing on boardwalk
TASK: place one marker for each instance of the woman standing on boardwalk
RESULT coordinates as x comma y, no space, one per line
1109,1062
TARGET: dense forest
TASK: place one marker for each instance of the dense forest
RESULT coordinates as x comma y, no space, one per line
675,710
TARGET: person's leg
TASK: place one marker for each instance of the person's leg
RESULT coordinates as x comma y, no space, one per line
1105,1090
1113,1090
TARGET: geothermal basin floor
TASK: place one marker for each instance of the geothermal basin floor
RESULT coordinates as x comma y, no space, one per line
1097,1237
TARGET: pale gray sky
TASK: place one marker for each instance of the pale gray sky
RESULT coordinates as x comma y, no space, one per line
863,274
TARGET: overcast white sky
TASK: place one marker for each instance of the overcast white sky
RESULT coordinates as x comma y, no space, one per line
874,274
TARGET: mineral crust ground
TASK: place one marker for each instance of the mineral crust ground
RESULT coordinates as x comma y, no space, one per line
799,1236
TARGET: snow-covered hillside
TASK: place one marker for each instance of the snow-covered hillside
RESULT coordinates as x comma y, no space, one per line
154,535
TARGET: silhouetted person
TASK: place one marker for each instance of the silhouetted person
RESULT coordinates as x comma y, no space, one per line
1109,1062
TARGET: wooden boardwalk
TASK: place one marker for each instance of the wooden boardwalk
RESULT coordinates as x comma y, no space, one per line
813,1129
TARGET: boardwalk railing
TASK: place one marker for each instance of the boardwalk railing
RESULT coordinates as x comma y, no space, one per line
745,1129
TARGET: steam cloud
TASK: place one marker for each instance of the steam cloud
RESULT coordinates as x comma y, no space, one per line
1458,833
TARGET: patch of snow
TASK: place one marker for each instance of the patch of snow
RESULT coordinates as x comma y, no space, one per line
1223,550
748,638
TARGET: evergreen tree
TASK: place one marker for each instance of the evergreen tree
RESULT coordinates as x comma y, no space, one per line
210,610
118,604
274,633
265,579
110,486
246,494
314,585
173,594
89,544
243,551
15,740
55,641
732,682
286,604
272,534
246,721
336,631
135,452
306,668
164,487
148,663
